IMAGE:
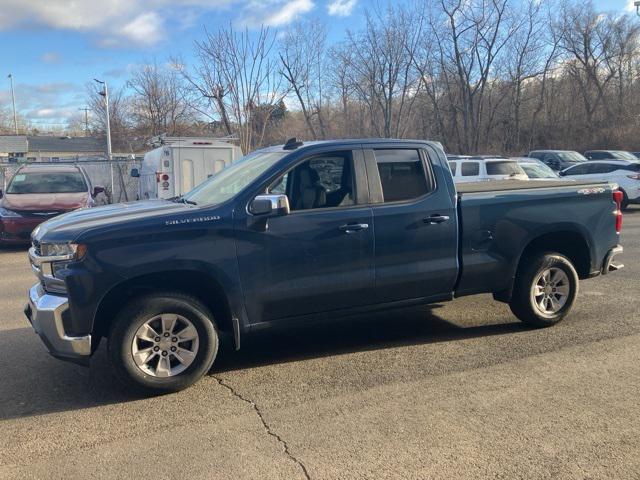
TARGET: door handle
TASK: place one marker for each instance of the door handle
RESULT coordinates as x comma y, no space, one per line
353,227
434,219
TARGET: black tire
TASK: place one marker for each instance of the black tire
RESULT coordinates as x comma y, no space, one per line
523,303
140,310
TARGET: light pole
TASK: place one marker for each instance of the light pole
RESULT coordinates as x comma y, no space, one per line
105,94
13,99
637,5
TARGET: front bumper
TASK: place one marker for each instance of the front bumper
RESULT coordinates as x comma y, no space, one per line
609,264
46,314
17,230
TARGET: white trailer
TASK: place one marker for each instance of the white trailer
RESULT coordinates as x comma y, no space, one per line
182,163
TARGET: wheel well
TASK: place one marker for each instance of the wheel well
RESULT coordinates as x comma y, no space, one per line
570,244
197,284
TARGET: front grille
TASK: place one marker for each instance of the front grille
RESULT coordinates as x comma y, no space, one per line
44,214
36,248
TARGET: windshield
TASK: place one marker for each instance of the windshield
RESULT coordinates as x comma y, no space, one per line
571,157
624,155
233,179
47,182
504,168
537,170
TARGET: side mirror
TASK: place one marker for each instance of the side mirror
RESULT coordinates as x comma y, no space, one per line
97,190
135,173
270,206
561,173
264,207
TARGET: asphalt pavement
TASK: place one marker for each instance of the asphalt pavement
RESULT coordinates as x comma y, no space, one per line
457,390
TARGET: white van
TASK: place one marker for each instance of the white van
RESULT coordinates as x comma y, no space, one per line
182,163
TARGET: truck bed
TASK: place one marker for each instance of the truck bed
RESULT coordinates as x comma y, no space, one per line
496,217
503,185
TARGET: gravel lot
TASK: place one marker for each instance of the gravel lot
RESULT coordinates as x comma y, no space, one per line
460,390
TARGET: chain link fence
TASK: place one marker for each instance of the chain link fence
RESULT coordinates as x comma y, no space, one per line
113,175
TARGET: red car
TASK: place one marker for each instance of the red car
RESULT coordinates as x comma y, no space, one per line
39,192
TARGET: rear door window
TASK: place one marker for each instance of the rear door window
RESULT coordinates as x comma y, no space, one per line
402,174
504,168
452,166
583,169
470,169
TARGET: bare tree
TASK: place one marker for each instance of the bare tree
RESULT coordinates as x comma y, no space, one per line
246,76
302,56
381,68
158,100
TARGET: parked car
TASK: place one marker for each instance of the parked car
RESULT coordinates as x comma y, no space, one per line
610,155
558,159
485,168
38,192
535,169
624,173
308,232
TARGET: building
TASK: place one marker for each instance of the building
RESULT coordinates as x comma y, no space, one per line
37,148
12,147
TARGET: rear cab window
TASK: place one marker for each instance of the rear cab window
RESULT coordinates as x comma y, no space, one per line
403,174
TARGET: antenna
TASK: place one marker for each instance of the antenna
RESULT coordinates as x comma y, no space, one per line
292,144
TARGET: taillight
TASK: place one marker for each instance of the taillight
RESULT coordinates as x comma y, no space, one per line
165,177
618,196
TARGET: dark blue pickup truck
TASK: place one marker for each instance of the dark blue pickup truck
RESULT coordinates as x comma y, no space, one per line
308,232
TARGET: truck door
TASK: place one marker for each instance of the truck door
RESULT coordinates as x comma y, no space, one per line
414,222
319,258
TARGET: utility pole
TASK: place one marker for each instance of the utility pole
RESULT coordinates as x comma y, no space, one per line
13,99
86,120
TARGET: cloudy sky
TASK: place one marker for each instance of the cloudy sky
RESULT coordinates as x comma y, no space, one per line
53,47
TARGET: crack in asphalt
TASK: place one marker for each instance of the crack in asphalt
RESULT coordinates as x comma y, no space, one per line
267,428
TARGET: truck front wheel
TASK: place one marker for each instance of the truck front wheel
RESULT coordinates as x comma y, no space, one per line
163,342
545,289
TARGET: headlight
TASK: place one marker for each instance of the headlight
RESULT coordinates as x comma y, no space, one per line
65,250
7,213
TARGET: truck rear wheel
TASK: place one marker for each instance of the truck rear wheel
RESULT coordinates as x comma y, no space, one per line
163,342
545,289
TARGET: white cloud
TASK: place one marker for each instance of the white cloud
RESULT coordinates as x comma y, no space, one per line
341,8
51,57
144,30
274,13
134,22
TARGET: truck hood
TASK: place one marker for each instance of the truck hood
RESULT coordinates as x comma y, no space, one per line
45,202
67,227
